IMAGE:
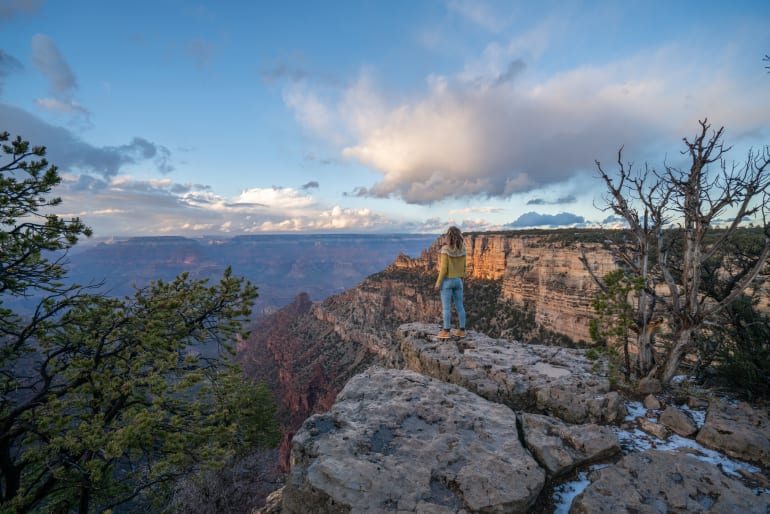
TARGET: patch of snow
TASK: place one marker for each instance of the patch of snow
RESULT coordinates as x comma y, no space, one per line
565,494
635,410
698,416
636,440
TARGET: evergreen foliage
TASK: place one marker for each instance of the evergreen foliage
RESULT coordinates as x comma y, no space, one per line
104,400
740,350
615,313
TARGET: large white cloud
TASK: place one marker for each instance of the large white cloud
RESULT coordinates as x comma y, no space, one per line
500,126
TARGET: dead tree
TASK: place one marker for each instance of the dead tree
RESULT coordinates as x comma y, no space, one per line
631,194
679,208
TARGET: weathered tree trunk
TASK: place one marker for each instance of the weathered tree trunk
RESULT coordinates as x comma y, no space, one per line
644,349
675,356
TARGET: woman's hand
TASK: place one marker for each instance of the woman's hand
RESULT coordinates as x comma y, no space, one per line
435,287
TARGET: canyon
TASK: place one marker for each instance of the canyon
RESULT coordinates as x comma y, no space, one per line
529,287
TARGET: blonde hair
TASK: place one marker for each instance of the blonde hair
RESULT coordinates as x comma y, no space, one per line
455,240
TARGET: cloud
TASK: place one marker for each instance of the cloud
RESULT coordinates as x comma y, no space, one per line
534,219
358,192
276,197
310,185
501,126
474,225
334,219
284,71
515,68
127,205
10,9
477,13
614,222
61,81
54,105
471,210
48,59
70,153
558,201
8,64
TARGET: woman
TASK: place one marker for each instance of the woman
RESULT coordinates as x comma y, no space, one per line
450,280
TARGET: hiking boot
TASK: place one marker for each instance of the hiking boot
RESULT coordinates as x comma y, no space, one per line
460,332
444,334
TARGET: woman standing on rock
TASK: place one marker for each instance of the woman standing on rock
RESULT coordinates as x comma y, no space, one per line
451,271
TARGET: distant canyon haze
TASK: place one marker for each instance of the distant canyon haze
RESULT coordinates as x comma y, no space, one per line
282,266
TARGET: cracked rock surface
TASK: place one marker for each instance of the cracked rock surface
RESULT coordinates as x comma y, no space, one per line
396,440
560,382
657,481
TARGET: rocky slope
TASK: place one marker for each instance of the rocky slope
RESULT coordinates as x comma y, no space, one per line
484,425
523,287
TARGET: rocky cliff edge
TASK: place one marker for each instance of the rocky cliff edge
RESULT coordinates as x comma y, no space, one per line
481,425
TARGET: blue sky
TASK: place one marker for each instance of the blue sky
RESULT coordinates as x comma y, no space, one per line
174,117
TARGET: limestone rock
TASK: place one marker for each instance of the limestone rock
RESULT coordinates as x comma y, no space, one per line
653,428
396,440
740,431
560,447
678,421
560,382
272,503
656,481
651,402
649,386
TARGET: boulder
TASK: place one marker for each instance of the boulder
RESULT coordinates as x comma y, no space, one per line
648,385
551,380
397,440
656,481
651,402
678,421
560,447
738,430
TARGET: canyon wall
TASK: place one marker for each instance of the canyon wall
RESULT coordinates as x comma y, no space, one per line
541,271
544,272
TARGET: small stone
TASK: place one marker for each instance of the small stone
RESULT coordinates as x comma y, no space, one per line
653,428
678,421
651,402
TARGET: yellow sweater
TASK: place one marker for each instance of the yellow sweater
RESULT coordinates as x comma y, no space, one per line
451,265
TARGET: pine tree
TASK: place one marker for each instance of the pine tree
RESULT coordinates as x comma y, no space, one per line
105,400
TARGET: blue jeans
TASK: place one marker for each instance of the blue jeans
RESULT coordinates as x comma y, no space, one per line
452,289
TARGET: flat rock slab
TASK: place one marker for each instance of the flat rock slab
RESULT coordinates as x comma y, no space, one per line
739,430
398,441
662,482
559,382
560,447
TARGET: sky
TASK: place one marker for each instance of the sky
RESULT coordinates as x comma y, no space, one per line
176,117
